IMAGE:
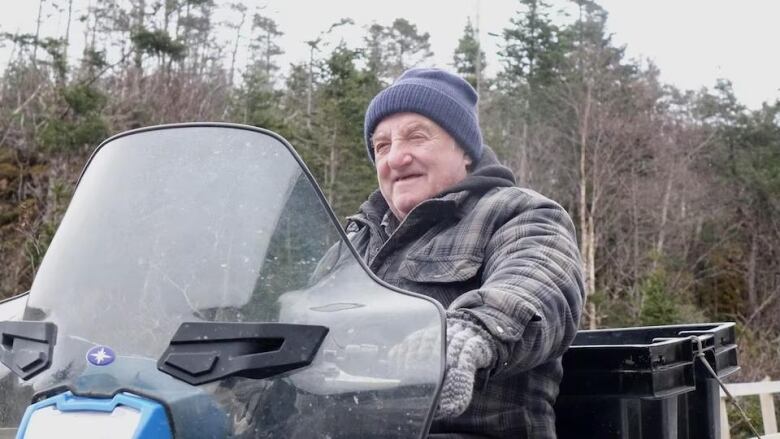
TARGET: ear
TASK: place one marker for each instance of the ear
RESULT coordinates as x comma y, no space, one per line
467,160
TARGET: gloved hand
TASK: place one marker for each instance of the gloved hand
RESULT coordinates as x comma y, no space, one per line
412,357
469,348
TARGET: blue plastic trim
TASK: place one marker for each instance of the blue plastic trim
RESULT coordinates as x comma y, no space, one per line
152,425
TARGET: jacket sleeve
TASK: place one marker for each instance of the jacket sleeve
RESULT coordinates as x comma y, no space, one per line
532,289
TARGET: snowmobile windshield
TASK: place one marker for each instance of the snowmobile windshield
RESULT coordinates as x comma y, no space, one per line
202,232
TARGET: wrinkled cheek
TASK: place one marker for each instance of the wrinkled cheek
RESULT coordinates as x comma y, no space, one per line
384,186
382,170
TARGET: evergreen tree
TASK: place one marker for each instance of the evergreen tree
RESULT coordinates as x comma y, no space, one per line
532,54
533,51
264,47
260,100
347,176
395,48
469,60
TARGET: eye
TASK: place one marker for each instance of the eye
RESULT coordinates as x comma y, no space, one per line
380,147
418,136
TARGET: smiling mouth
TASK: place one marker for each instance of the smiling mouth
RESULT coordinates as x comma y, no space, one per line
408,177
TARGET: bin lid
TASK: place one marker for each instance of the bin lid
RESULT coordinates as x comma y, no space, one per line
646,362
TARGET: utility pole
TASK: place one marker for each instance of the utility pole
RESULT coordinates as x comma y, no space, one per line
67,31
312,47
37,34
478,74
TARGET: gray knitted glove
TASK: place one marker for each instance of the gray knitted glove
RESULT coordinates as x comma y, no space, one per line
412,356
469,348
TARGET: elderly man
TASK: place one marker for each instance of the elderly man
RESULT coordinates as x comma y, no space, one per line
449,223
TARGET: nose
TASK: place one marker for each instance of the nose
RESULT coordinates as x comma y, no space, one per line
399,155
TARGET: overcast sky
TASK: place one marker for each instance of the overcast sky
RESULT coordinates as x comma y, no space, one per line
693,42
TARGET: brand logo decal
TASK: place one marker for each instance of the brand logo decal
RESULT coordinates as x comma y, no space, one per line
101,355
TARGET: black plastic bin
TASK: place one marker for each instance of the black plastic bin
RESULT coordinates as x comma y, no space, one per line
645,383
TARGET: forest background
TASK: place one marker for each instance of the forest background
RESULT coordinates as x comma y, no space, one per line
675,193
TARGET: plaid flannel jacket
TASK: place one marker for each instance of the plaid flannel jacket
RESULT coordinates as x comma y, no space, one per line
508,257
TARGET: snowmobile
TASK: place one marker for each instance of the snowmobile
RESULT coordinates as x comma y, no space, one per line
199,286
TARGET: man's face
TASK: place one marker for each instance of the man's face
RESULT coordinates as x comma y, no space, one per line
415,160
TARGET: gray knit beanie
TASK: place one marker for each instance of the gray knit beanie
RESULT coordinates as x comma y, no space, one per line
444,98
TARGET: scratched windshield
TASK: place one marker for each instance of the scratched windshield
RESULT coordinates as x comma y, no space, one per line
221,224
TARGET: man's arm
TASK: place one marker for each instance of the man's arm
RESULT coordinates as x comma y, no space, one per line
532,288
